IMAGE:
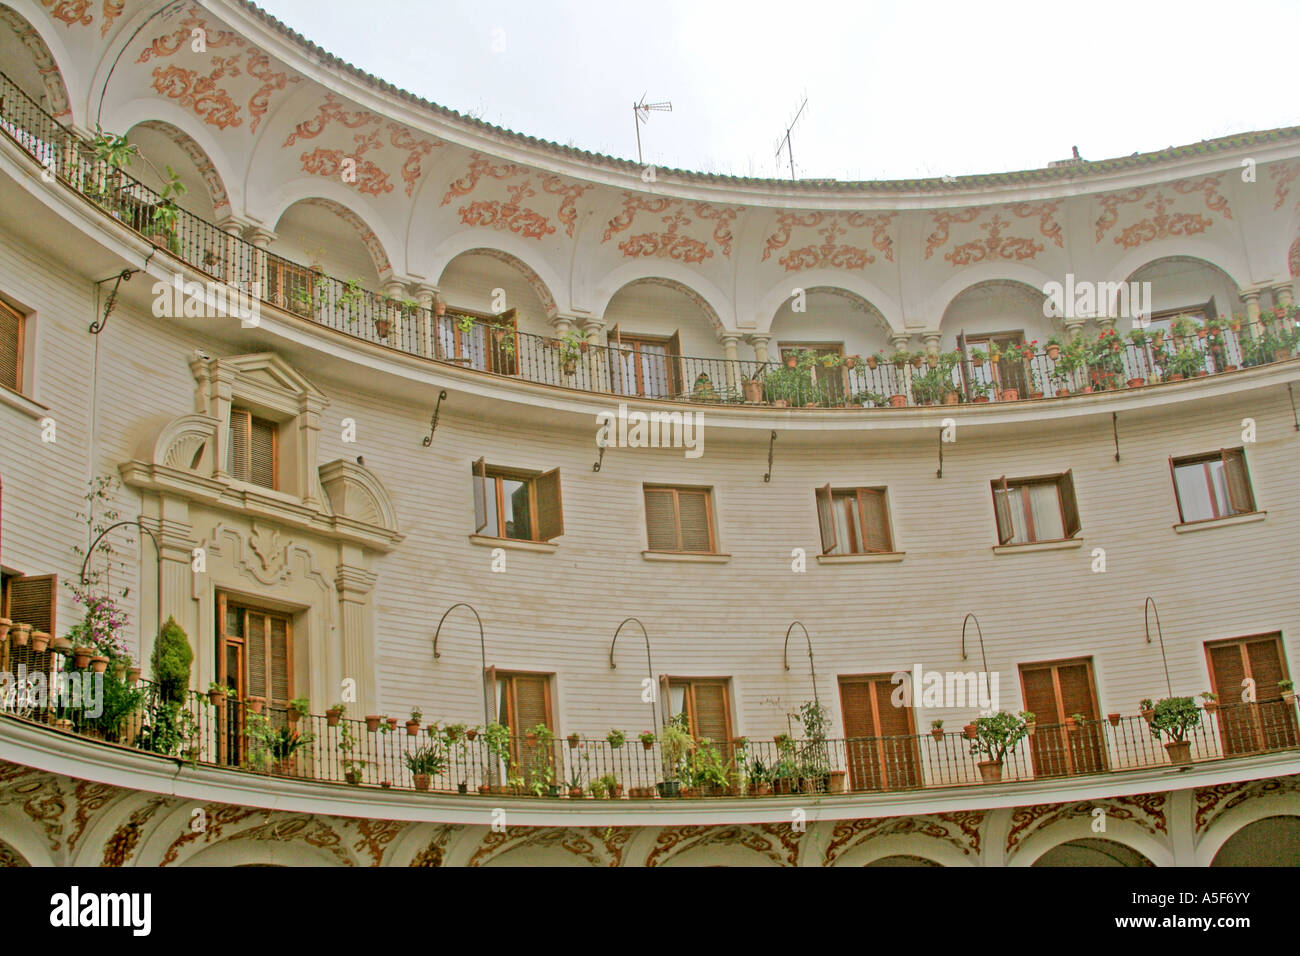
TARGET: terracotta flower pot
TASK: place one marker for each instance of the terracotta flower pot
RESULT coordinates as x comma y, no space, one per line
1174,377
40,641
897,401
936,733
990,772
333,715
63,724
872,361
979,399
1180,751
1136,382
5,624
373,721
421,781
81,656
132,675
215,697
574,740
392,724
20,634
1211,706
255,704
413,728
970,730
1030,727
753,391
1114,719
1035,395
1053,351
1147,715
471,734
575,793
791,361
61,645
1011,395
570,366
780,403
383,327
648,744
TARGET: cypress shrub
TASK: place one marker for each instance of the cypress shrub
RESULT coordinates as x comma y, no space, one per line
171,661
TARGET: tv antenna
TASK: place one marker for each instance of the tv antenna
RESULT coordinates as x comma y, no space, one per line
785,144
641,111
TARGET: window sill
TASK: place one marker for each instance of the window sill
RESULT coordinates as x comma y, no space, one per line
1247,518
1062,545
21,402
685,557
886,557
513,544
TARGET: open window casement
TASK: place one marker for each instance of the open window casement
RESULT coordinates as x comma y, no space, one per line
550,510
875,521
1069,504
1237,479
478,472
826,518
1002,507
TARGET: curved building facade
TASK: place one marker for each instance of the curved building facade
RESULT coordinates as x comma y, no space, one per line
407,412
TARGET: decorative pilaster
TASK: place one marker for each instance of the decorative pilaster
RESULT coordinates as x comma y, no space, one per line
309,411
354,585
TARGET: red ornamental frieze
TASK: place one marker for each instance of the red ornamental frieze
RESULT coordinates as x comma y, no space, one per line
399,137
830,253
778,842
87,798
1285,174
670,243
313,831
71,12
122,844
375,836
435,851
112,10
1147,812
1293,258
511,215
216,817
961,829
203,94
43,60
1213,801
942,224
1162,224
994,245
599,847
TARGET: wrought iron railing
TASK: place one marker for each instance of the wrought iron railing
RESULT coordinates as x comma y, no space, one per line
478,343
216,730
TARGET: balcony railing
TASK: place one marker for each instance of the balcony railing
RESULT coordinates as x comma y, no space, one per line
611,370
219,731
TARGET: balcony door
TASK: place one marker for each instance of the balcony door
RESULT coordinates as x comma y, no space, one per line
880,744
1052,692
645,366
524,702
254,658
1269,723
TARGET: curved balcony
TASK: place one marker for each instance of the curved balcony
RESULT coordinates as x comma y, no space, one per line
572,362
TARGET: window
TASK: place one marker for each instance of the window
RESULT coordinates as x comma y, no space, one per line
679,519
11,348
1212,486
523,702
1053,692
1035,509
488,344
829,379
522,505
254,658
881,751
291,286
28,600
706,704
254,449
1005,373
645,365
853,521
1244,727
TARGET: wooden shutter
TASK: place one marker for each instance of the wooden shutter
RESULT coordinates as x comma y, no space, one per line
676,383
693,514
478,472
710,718
532,702
665,700
1265,667
1238,480
281,683
261,453
240,425
11,348
855,702
826,517
32,600
255,635
550,511
661,519
1040,695
875,520
1228,671
1002,507
490,691
1069,504
1076,690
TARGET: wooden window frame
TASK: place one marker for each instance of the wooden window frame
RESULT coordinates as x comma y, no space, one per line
1055,667
677,517
253,417
1205,460
492,477
1241,643
856,518
512,702
20,346
7,581
668,682
495,358
672,345
1061,482
983,340
226,603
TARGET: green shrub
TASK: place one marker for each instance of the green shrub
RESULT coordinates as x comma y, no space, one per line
171,661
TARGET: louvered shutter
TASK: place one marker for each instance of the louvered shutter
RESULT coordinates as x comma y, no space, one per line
710,719
32,600
693,512
530,703
899,754
665,700
862,749
1237,719
1049,745
1002,507
478,472
1229,673
1069,504
11,348
826,518
550,511
1277,721
240,422
261,453
281,665
1265,668
1238,481
1040,695
256,637
661,519
875,520
676,378
1076,691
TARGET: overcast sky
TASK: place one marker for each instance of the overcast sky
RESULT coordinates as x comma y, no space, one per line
894,90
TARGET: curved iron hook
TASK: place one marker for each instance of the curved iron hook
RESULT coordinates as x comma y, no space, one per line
487,706
1146,622
785,654
650,670
978,630
90,553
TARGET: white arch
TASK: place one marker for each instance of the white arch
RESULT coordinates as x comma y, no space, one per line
1233,264
39,20
544,292
1231,822
24,835
905,844
471,239
278,202
967,278
1122,832
611,283
880,300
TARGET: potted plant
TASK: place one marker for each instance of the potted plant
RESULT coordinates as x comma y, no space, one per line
615,739
647,739
875,359
994,736
1114,719
675,743
936,729
613,789
753,390
980,391
572,344
1146,709
1211,701
353,769
334,714
970,730
424,763
392,724
1075,721
900,358
373,721
413,725
574,740
80,655
1053,347
299,708
1030,720
40,641
218,693
1174,717
5,624
1288,690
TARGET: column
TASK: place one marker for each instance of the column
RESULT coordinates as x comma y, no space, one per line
759,341
1282,295
1074,328
729,341
261,240
427,296
597,380
901,377
354,584
932,340
1251,298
